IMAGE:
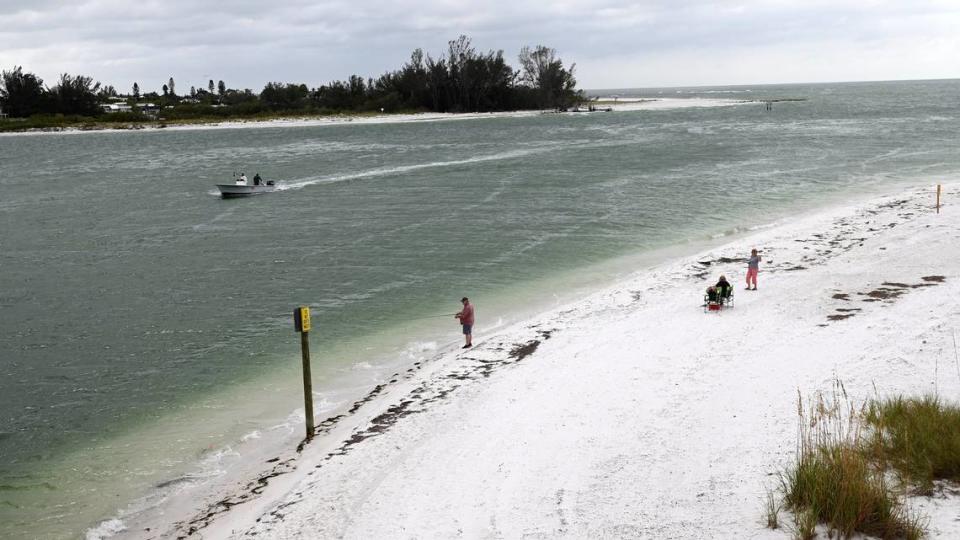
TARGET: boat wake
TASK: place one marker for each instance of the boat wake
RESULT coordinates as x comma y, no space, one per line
388,171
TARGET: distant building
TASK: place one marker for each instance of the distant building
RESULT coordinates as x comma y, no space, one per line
116,107
145,108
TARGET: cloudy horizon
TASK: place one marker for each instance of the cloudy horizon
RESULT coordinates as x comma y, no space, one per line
614,44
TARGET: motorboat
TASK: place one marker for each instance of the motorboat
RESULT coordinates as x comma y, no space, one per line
240,187
229,191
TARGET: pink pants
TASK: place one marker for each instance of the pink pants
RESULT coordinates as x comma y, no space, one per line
752,275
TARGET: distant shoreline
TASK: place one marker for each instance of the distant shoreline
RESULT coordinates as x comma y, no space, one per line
101,125
272,121
307,120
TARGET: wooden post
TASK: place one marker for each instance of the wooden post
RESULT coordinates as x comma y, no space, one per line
301,321
938,198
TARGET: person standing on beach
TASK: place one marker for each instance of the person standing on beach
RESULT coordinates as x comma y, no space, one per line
753,268
466,320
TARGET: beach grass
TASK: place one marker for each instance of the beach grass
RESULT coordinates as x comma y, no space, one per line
919,438
838,486
771,507
805,524
837,482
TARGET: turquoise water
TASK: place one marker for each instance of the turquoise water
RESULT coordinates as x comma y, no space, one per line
145,322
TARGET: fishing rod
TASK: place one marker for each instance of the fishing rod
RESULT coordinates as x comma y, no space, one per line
414,318
432,316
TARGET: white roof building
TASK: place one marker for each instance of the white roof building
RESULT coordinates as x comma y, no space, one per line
116,107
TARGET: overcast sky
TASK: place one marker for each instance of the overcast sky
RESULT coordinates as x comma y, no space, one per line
615,44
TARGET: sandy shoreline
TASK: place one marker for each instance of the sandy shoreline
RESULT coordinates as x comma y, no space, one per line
347,119
630,413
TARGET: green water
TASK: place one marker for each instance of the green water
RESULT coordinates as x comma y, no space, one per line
145,322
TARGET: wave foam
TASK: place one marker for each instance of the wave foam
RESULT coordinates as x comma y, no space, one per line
106,529
417,350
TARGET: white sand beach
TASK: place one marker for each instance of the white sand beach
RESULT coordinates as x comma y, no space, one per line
630,413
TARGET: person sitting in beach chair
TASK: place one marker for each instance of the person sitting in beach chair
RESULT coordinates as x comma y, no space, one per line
711,301
724,291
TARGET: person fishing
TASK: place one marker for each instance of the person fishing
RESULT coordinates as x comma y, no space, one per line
466,321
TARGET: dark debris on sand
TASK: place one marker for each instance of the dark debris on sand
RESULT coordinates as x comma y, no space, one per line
887,292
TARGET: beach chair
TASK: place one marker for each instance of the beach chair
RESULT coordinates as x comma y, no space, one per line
712,304
722,299
726,297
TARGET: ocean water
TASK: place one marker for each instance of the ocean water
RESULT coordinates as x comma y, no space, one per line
145,323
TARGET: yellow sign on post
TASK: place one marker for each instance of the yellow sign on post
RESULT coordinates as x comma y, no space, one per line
301,319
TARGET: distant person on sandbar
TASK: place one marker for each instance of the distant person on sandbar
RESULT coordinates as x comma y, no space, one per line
466,320
753,268
723,288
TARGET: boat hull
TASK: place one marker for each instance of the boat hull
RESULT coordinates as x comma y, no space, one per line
230,191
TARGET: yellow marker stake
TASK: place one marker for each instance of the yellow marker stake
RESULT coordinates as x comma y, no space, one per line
301,322
938,198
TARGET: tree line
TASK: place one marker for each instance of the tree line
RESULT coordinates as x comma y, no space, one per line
459,80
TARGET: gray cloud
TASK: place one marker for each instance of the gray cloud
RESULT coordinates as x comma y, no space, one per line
614,43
